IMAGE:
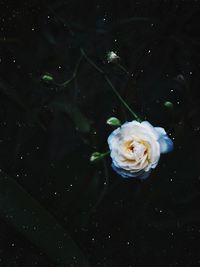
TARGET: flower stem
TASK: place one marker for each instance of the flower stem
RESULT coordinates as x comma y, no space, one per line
106,153
111,85
121,99
64,84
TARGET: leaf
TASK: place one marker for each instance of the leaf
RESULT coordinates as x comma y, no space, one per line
81,122
36,224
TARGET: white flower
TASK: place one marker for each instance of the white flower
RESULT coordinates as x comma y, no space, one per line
136,147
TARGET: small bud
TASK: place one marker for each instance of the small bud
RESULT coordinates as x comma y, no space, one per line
47,78
113,121
95,156
168,104
112,57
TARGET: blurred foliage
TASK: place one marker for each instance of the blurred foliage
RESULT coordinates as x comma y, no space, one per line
50,129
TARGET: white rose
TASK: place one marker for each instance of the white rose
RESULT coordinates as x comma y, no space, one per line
135,148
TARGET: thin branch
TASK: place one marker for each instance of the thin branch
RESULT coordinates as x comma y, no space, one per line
74,74
111,85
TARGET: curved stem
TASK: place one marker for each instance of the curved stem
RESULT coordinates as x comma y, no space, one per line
121,99
111,85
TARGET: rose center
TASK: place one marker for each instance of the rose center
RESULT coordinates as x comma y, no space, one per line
137,148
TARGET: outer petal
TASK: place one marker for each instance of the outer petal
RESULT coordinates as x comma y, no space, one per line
127,174
144,175
166,144
113,139
123,172
160,131
150,129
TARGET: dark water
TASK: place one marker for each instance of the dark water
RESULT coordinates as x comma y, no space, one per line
56,207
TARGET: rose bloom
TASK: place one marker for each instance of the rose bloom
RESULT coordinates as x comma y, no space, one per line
135,148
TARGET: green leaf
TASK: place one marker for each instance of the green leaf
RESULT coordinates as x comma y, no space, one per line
26,215
81,122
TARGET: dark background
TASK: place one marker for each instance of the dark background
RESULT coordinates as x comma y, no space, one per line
48,187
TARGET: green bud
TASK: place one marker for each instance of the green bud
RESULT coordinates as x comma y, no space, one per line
113,121
47,78
95,156
168,104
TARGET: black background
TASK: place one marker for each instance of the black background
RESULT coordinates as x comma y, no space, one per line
48,132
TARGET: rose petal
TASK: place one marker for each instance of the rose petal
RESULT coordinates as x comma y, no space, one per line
144,175
127,174
112,139
150,129
166,144
124,173
160,131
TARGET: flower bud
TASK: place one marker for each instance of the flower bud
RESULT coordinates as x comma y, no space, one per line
168,104
113,121
95,156
112,57
47,78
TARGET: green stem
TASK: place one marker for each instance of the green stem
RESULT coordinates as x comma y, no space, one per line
122,68
105,154
111,85
121,99
74,73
